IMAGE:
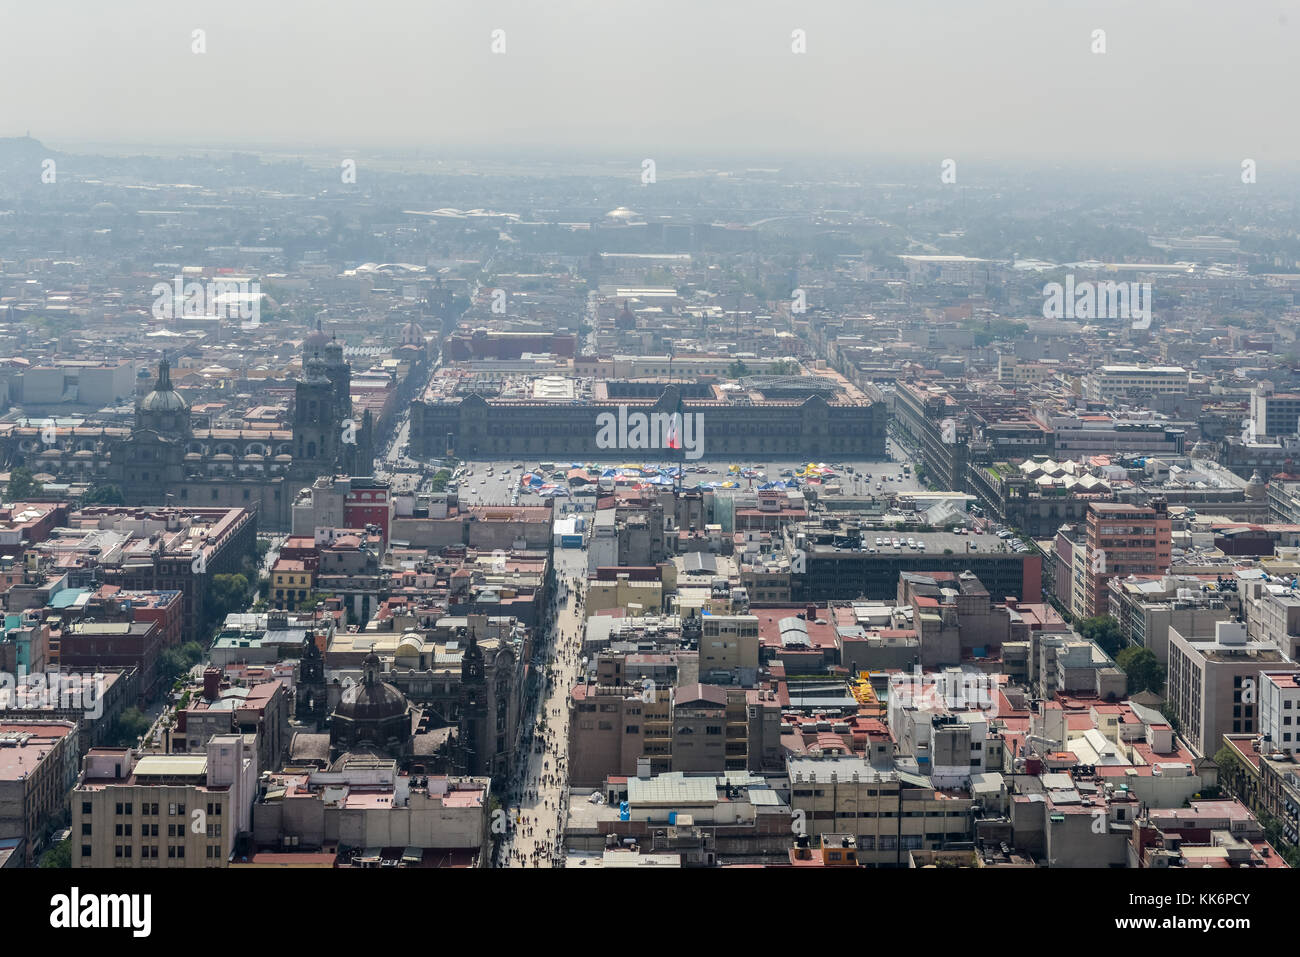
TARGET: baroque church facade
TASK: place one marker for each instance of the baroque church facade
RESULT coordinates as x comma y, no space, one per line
165,461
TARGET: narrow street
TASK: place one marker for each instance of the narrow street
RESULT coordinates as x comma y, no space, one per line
537,801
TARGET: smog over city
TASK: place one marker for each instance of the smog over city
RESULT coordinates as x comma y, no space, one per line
481,436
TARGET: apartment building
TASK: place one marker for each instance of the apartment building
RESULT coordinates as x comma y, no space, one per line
1279,710
1272,614
729,646
616,729
37,767
1147,607
700,737
889,812
163,810
1112,382
1124,540
1214,684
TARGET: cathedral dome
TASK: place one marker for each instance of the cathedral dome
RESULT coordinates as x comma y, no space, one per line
373,701
164,398
316,340
412,334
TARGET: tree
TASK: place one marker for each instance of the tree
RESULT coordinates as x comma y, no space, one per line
60,855
173,662
1276,836
737,370
104,495
1144,670
313,600
227,593
1171,716
130,725
22,485
1105,632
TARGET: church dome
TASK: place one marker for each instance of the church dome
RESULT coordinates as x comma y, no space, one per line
1256,487
164,398
372,701
412,334
316,340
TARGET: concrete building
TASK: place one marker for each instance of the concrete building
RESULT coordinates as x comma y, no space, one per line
889,812
1279,711
1214,684
1146,608
37,767
1124,540
729,646
1113,382
173,811
618,729
361,801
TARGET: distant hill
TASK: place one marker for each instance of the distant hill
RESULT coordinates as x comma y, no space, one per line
23,147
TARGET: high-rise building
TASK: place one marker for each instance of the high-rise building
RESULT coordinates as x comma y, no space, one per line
1124,540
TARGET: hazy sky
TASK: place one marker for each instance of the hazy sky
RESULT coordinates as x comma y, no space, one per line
1198,80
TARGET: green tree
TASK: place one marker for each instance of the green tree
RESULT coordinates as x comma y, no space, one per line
60,855
228,593
173,662
1144,670
1105,632
130,724
313,600
22,485
737,370
1276,836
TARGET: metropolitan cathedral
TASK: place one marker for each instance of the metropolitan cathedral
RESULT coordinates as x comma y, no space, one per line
165,461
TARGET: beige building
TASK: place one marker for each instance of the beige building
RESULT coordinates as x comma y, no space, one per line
361,801
638,597
37,766
613,727
701,729
164,810
1214,684
889,812
729,643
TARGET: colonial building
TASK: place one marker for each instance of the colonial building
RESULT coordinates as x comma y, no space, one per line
165,460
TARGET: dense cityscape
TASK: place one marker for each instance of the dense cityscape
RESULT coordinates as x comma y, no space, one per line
429,510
